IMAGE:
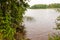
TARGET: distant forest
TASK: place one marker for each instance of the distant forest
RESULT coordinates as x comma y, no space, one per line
44,6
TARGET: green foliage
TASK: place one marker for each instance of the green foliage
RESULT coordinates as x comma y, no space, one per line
44,6
55,5
11,14
54,37
39,6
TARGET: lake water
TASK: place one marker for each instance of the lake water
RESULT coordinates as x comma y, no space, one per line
43,23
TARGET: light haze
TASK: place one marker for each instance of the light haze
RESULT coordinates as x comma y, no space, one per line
32,2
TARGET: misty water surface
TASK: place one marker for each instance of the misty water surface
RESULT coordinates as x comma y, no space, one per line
43,23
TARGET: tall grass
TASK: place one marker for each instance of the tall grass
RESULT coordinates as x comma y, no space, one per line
54,37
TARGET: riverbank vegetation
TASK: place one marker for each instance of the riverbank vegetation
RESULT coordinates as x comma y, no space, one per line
56,36
44,6
11,18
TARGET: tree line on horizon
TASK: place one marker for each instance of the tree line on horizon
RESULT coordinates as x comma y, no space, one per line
44,6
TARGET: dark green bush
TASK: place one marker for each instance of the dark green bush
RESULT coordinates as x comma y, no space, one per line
11,14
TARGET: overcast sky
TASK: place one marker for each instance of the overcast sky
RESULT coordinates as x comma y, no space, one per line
32,2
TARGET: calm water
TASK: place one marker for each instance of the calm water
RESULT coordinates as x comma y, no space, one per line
42,24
